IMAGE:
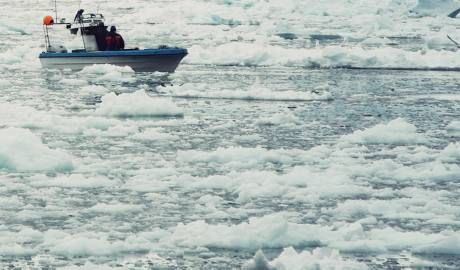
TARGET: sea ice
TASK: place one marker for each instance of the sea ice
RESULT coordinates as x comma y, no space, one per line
137,104
22,151
396,132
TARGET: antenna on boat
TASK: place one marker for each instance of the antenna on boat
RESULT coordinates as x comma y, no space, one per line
55,10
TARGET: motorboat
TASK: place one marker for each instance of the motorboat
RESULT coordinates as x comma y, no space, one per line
93,31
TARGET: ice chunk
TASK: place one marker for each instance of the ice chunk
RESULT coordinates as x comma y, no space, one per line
83,245
15,250
435,7
320,258
104,69
448,246
21,150
137,104
271,231
451,153
106,72
395,132
259,262
282,118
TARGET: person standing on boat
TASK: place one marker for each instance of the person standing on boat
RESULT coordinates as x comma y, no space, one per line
114,41
101,33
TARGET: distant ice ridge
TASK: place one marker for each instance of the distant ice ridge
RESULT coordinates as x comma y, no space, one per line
255,54
23,151
255,92
137,104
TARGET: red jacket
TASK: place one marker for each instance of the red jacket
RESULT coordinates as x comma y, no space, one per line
114,42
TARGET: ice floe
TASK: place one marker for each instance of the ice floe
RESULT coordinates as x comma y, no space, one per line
435,7
22,151
396,132
105,72
137,104
319,258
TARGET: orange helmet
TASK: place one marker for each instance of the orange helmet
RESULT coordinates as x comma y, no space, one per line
48,20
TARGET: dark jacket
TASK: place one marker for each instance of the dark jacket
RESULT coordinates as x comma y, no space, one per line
101,33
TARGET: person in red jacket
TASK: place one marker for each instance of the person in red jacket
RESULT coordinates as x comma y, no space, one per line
114,41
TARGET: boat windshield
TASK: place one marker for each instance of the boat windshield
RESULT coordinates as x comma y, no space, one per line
91,18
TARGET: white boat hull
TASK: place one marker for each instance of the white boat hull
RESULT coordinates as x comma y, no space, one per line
162,60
